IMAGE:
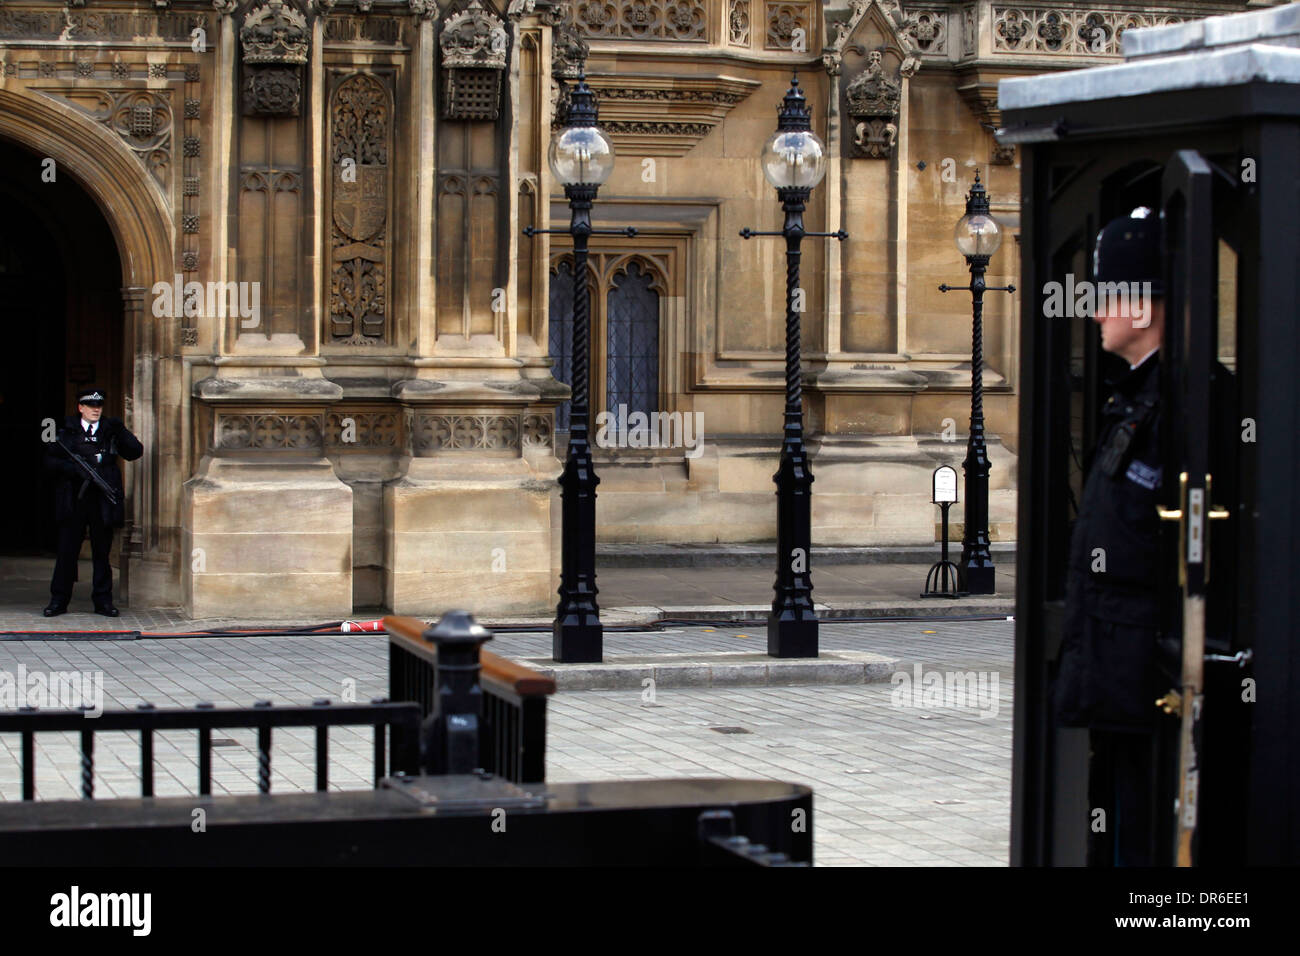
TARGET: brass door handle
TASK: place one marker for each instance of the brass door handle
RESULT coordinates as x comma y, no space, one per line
1216,513
1171,703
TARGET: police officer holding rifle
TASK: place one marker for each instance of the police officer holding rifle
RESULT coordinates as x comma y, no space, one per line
88,495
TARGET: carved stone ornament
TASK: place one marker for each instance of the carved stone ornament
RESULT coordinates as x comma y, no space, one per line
275,40
473,44
873,93
360,145
877,40
474,38
568,57
275,35
519,9
273,91
570,50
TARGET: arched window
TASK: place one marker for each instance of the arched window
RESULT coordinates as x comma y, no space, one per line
625,306
632,340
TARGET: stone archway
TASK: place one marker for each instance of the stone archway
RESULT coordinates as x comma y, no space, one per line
137,214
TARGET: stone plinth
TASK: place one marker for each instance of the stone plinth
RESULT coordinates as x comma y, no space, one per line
269,539
472,534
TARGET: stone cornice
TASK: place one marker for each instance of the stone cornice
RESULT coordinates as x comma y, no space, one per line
658,115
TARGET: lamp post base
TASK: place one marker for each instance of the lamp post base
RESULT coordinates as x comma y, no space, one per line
792,633
977,578
577,638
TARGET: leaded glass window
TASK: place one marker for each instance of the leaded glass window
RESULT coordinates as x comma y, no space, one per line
625,307
632,342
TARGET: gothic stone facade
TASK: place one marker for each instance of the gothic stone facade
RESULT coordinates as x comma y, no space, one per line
371,417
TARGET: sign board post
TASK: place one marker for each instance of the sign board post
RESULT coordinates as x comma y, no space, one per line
943,571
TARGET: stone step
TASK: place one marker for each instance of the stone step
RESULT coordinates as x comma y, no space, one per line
723,669
761,555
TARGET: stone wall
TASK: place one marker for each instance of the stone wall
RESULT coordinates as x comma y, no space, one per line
368,418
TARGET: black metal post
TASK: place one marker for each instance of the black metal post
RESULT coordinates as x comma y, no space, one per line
792,627
451,732
578,635
976,562
943,571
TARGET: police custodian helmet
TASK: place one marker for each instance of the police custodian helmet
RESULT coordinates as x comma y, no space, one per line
1128,250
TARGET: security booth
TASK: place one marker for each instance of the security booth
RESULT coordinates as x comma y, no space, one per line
1201,126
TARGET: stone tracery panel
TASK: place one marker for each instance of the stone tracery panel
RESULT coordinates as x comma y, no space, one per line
738,23
142,119
349,428
928,29
1068,31
782,19
643,19
360,146
252,432
468,432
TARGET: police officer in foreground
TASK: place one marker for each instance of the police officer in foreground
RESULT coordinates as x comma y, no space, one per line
88,494
1111,656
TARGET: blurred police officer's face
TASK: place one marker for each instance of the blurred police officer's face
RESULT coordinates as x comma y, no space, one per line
91,413
1130,326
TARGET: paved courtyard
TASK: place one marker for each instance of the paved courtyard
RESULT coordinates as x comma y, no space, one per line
894,783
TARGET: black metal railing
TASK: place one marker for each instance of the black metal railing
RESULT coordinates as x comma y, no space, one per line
509,709
448,764
395,728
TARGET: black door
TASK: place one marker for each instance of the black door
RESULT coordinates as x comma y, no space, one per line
1073,193
1205,439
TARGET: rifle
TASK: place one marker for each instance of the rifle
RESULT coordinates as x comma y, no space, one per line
91,474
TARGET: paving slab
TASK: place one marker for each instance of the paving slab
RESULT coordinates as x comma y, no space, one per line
884,776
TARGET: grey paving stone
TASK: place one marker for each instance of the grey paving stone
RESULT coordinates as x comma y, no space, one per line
806,733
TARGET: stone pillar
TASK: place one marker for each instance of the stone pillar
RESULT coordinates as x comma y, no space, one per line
469,524
267,523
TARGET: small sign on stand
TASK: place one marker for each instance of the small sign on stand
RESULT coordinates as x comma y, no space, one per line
944,573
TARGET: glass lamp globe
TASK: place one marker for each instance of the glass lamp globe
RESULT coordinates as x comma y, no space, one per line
581,155
794,157
977,234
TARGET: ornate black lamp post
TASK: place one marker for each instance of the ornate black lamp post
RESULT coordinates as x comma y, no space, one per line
978,236
581,158
794,161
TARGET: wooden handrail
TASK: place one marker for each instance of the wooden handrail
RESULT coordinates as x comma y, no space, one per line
522,680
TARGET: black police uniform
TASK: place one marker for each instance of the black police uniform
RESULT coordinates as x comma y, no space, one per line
1110,665
80,505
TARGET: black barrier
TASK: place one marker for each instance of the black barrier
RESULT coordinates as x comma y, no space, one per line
472,710
402,718
511,713
474,820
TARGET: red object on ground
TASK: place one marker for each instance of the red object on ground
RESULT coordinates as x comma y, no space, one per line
350,626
